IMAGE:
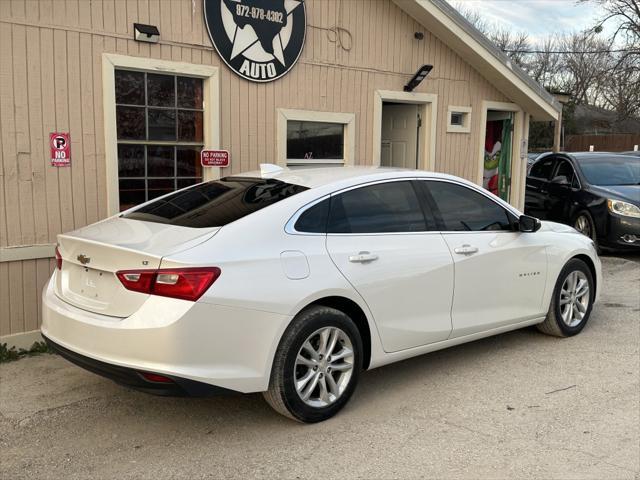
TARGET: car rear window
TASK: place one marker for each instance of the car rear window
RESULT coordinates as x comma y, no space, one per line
215,203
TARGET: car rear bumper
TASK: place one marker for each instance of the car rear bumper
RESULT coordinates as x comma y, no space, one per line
228,348
132,378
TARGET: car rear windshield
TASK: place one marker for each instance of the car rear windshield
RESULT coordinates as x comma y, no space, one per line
612,171
215,203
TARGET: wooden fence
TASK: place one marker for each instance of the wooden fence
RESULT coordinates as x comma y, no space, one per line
611,142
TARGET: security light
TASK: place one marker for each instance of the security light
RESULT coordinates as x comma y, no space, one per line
419,76
146,33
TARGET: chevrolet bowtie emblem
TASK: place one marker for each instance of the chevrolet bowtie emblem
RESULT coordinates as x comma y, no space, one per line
83,259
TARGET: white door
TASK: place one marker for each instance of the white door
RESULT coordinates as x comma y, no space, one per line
399,135
500,274
379,239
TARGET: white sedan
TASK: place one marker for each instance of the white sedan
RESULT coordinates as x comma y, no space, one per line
292,283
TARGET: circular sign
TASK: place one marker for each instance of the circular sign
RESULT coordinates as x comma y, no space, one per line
260,40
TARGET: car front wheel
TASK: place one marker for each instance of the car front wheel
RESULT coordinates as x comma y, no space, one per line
572,301
317,365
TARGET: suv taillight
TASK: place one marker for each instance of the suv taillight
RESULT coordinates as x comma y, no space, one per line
58,259
182,283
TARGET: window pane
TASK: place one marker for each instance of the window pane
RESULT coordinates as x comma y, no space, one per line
314,220
160,161
161,90
462,209
315,140
188,164
131,193
129,87
186,182
189,92
189,126
542,169
159,186
216,203
130,123
565,170
131,160
162,124
381,208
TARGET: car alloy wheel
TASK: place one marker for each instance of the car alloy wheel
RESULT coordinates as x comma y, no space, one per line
323,367
574,298
583,225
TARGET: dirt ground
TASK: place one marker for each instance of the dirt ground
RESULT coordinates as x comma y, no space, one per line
519,405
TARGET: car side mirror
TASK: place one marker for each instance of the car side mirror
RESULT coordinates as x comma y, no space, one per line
528,224
560,180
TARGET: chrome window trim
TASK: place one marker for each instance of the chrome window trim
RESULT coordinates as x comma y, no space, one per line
290,225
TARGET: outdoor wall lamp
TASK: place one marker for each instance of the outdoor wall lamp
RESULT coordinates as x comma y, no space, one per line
146,33
419,76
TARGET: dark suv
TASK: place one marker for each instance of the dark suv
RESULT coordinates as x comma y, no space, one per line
596,193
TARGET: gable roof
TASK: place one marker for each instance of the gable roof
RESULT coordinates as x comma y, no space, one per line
474,47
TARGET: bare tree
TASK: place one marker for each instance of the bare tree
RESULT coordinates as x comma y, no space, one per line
625,14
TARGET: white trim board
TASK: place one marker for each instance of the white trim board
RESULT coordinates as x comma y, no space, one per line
211,99
27,252
429,103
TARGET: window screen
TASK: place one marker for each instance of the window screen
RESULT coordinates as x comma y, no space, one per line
462,209
159,120
381,208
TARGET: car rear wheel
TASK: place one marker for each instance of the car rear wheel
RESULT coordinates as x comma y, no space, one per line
572,301
317,365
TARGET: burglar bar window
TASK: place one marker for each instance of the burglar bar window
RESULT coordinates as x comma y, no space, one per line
159,122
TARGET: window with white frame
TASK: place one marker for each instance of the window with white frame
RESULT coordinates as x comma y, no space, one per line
459,119
315,138
160,133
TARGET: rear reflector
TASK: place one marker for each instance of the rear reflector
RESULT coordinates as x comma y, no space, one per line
182,283
58,259
154,377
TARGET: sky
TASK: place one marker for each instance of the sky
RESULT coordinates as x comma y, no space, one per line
538,18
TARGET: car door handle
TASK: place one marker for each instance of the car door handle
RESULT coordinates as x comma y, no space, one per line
363,257
466,250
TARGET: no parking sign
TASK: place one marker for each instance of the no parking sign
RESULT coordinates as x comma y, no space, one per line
60,144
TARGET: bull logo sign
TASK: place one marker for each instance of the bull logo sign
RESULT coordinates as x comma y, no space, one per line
60,144
260,40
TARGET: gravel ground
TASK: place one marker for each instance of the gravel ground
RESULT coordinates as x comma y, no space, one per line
519,405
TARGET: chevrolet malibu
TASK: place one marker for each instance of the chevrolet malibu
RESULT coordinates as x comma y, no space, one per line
292,283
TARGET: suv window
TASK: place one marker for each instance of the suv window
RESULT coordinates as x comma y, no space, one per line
215,203
462,209
380,208
542,169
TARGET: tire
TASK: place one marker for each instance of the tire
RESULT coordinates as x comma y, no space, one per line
312,325
560,322
583,222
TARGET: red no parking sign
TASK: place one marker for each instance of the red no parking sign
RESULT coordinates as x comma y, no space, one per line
60,144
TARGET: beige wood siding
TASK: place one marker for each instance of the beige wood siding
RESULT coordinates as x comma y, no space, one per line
51,79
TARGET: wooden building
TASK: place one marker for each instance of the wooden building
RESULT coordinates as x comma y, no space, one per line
313,83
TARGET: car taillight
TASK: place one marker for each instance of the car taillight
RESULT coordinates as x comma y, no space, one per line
58,259
182,283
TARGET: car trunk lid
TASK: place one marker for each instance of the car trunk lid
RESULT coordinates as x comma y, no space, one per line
92,255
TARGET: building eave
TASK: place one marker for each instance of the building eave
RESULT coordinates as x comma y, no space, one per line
457,33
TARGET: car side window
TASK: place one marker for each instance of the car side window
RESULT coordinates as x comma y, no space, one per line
314,219
542,169
463,209
565,169
380,208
